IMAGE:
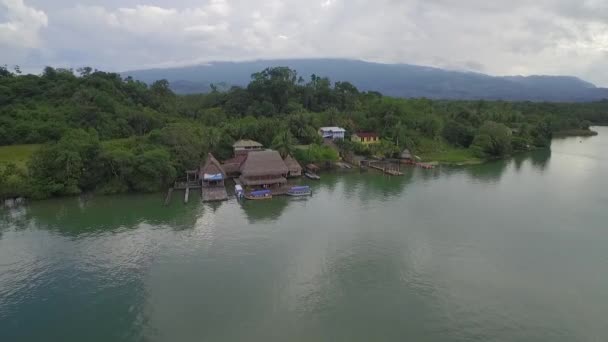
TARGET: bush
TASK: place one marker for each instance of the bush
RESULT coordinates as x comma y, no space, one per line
492,140
316,154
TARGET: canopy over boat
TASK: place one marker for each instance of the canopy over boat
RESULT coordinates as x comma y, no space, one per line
260,193
300,188
213,177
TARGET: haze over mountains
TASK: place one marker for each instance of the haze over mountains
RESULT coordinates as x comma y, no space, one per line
399,80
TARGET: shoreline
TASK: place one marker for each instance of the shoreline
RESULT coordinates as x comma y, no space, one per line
575,133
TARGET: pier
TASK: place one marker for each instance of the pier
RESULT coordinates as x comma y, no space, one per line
386,167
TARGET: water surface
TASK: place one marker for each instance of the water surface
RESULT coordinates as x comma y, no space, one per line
512,250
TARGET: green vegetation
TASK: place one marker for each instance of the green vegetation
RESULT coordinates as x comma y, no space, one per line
316,154
16,154
106,134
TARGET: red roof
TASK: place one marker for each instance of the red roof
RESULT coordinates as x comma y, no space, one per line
366,135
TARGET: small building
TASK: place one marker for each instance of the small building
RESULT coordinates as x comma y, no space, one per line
212,173
212,177
365,138
295,170
333,133
264,169
312,168
406,156
245,146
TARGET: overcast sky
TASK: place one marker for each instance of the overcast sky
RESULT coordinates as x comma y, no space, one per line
568,37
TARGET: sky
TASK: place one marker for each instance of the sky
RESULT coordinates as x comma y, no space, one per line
515,37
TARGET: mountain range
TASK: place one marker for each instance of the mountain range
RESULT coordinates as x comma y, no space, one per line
398,80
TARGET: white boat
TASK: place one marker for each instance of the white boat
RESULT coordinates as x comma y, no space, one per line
238,191
311,175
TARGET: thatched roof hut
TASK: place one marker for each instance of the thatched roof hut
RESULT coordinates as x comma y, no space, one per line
263,168
312,168
295,170
406,154
212,166
246,145
212,171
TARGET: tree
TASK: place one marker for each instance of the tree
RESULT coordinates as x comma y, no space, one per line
64,168
284,143
458,134
493,139
275,85
154,170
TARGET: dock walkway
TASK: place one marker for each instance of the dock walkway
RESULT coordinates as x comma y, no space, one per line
386,167
214,193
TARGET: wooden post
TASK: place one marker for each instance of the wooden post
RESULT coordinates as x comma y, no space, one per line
187,194
168,198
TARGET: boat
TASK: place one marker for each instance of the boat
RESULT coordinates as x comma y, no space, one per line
259,195
311,175
238,191
303,190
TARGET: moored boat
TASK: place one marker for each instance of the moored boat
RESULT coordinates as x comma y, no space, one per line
311,175
303,190
259,195
238,191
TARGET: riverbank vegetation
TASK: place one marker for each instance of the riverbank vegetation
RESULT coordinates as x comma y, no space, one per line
100,132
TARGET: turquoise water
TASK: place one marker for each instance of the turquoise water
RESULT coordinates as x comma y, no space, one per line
512,250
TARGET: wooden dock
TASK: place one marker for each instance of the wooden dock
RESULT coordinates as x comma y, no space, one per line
214,193
168,197
386,167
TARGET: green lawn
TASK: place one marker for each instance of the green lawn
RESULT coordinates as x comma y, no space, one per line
438,151
17,154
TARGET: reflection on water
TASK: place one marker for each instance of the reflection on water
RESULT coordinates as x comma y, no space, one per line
88,214
450,254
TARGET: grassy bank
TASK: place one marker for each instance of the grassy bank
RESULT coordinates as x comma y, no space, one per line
575,133
438,151
16,154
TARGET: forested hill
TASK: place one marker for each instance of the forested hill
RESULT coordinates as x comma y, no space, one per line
102,133
399,80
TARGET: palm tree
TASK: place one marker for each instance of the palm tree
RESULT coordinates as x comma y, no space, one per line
284,143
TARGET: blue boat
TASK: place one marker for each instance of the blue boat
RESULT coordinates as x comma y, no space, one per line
303,190
259,195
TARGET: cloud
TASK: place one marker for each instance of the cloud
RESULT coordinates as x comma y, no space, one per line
22,26
498,37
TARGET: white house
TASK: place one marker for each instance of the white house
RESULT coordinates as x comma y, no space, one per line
332,132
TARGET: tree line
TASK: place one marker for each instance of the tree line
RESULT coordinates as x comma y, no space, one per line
102,132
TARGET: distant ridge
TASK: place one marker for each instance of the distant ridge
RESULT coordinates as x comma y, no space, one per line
399,80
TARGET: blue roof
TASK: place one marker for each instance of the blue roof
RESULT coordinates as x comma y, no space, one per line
211,177
260,192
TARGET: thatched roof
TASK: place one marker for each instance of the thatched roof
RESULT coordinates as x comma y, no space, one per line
212,166
257,182
233,165
264,163
243,143
292,164
406,154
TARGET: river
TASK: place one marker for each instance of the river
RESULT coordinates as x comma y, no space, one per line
513,250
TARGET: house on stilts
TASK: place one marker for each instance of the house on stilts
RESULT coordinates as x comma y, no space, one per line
212,177
264,169
295,170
